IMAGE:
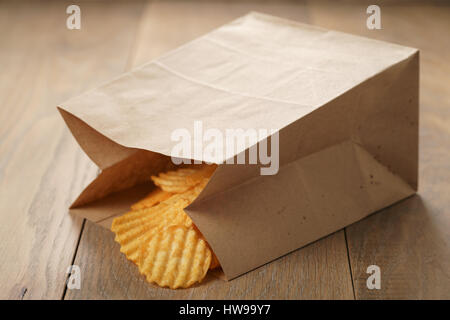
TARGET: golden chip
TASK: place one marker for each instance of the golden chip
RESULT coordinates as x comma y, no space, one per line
152,199
214,261
175,257
160,237
183,179
131,228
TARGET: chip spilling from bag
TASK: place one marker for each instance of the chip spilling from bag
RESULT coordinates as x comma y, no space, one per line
160,238
176,256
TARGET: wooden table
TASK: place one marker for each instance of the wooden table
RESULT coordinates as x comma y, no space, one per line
42,169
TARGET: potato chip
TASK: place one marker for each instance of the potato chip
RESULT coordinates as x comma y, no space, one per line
175,257
181,200
158,226
183,179
151,199
131,228
214,261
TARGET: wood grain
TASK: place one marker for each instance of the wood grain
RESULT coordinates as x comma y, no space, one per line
166,25
319,271
41,167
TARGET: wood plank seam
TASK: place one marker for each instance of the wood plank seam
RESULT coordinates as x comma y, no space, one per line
73,259
128,66
349,264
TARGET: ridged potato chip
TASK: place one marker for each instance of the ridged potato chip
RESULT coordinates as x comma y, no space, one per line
183,179
175,257
214,261
158,226
131,227
137,217
152,199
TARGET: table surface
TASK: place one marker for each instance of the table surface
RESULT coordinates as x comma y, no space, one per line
42,169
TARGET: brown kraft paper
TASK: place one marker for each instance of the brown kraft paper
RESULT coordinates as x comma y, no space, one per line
345,108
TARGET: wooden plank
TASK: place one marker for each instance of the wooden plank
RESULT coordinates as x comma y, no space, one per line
409,241
318,271
165,26
41,167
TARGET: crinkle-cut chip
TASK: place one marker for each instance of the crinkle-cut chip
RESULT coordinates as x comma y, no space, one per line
180,173
133,218
131,240
172,186
159,210
183,179
175,257
186,197
131,228
152,199
214,261
181,200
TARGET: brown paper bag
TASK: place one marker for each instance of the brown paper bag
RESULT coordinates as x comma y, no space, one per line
345,108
